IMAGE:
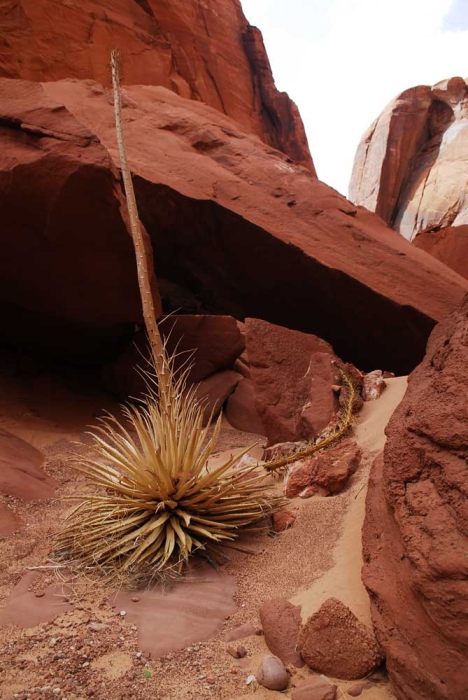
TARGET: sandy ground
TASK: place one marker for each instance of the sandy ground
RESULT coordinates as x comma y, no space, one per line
90,649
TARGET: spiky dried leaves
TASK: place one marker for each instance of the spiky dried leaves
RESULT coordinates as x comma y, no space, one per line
160,502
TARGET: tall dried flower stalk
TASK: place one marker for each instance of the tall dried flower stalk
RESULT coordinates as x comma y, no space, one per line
157,502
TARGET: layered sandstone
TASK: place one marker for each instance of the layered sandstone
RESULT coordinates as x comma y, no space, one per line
411,168
416,531
237,225
204,50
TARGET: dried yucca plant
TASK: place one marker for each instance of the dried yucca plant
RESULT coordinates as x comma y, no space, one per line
160,503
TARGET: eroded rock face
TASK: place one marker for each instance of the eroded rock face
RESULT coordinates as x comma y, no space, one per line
449,245
204,345
241,411
237,225
292,375
68,281
416,531
411,168
201,50
213,392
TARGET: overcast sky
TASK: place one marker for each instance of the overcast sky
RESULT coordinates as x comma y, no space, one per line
342,61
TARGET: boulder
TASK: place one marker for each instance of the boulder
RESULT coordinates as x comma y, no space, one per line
21,473
292,375
214,390
333,641
325,474
410,168
241,411
415,536
209,344
215,201
315,688
373,385
202,51
281,621
272,674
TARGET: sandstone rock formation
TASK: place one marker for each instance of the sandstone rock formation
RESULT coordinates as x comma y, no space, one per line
230,220
281,622
241,411
333,641
325,474
416,530
68,279
206,346
448,244
292,375
214,391
411,168
203,50
202,344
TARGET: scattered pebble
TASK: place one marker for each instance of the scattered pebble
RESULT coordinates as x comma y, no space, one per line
97,626
272,674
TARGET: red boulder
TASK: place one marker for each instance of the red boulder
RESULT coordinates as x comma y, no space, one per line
333,641
210,344
415,535
325,474
281,622
293,376
241,411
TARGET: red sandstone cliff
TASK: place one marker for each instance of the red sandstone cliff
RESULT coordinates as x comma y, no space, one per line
416,531
411,168
204,50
